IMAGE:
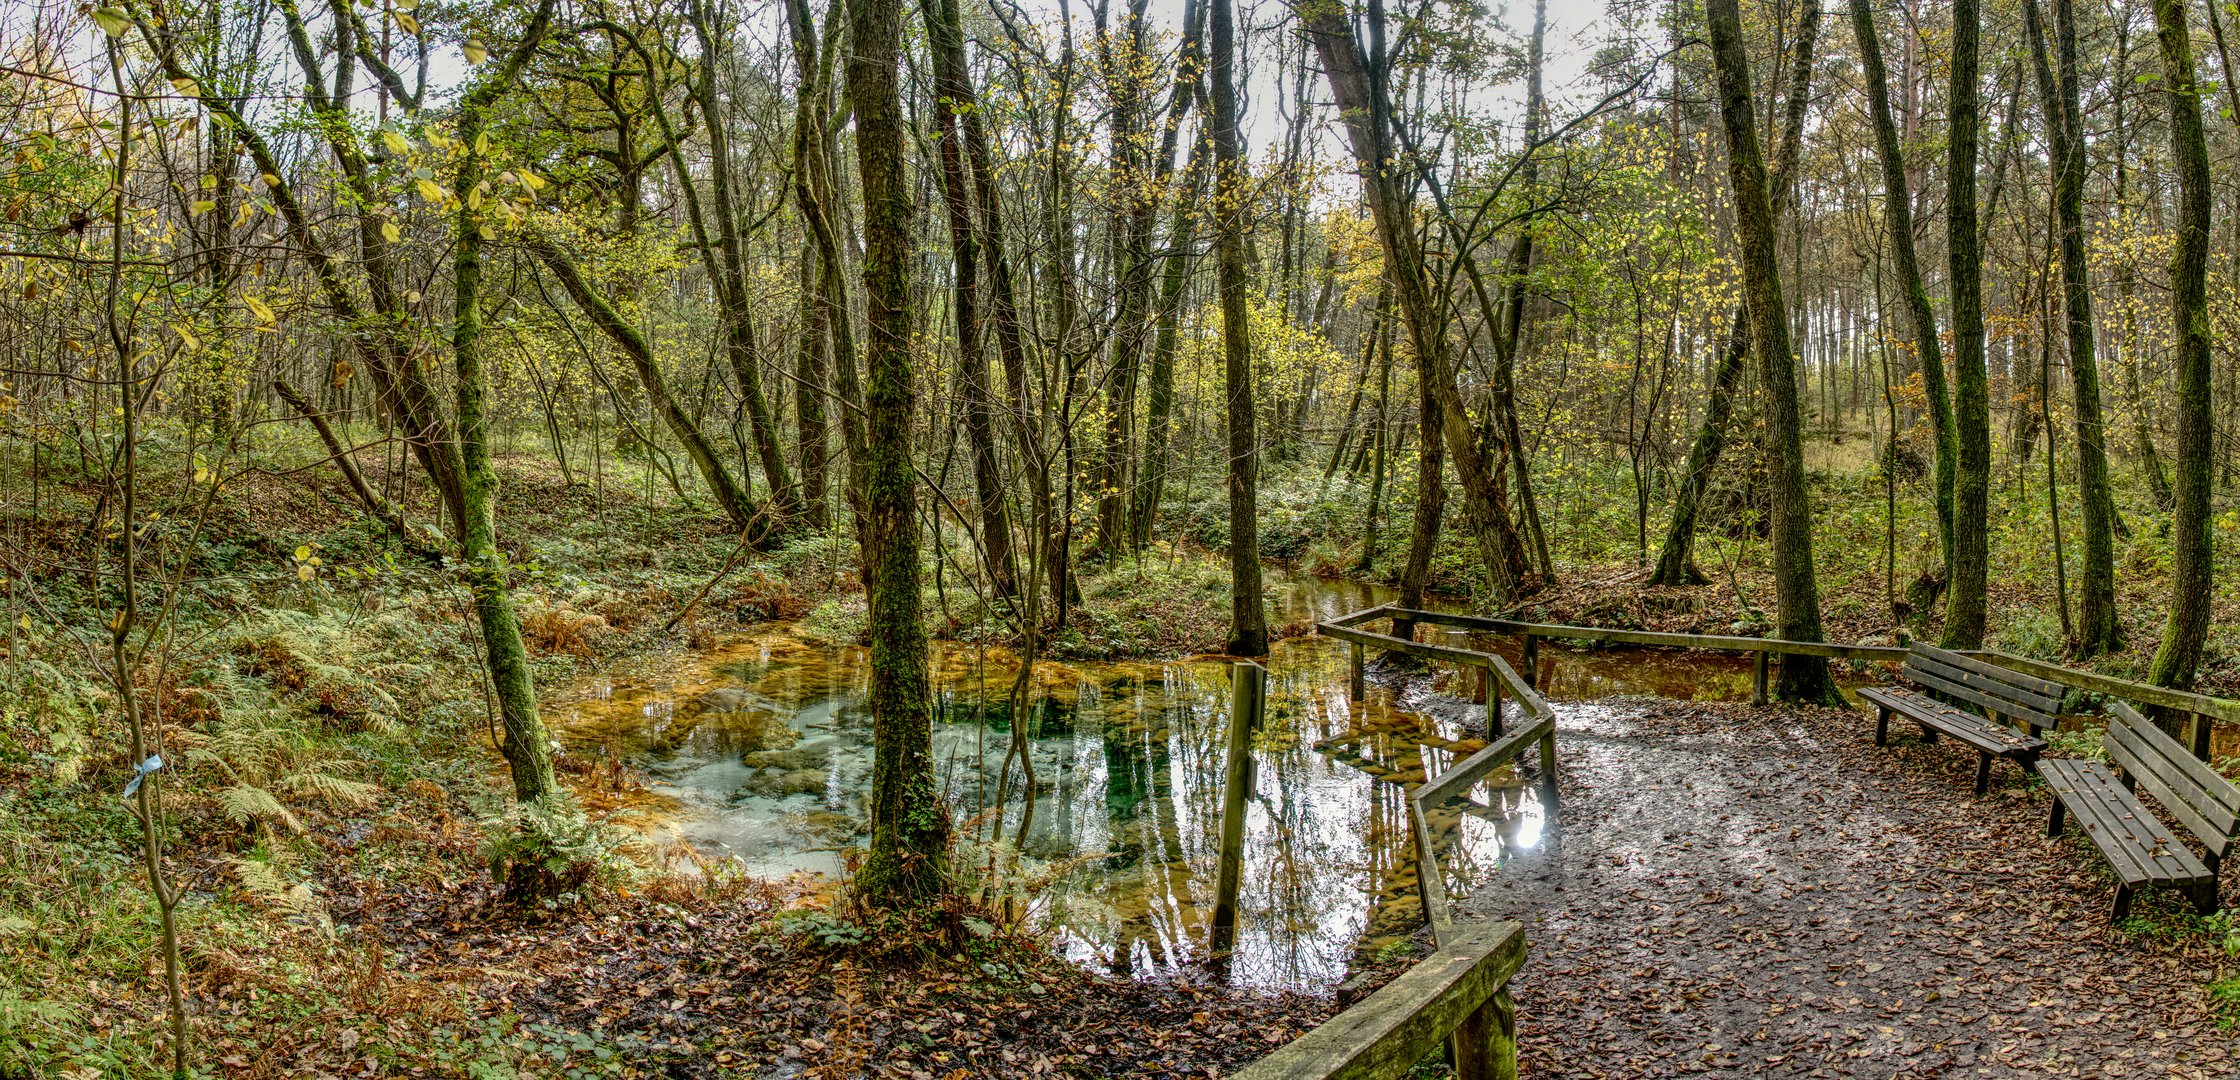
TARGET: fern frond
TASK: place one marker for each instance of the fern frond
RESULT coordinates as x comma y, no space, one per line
245,803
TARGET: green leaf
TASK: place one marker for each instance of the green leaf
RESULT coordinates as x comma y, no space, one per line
113,21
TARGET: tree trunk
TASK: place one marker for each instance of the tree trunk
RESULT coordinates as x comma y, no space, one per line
953,89
1922,320
909,826
730,496
1364,110
526,747
1248,616
2097,630
733,281
1165,344
1804,679
1676,564
2178,659
1965,603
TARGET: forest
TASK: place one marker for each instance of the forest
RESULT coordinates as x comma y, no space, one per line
416,415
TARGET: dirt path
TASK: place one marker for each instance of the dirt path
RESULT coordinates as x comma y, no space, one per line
1747,891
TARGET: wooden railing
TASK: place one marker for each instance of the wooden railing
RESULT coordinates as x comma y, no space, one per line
2203,710
1458,995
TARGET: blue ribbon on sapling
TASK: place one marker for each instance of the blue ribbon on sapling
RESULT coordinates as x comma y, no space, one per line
142,771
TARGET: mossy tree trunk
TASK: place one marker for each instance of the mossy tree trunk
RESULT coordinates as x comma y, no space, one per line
2187,625
1248,615
952,93
1965,603
1921,318
909,826
1676,564
2097,630
1804,679
526,748
730,496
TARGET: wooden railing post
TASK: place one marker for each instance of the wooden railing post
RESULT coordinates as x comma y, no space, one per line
1548,766
1248,695
1354,674
2202,729
1532,661
1485,1045
1759,663
1493,701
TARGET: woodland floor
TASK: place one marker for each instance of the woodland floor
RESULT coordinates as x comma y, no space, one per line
1760,891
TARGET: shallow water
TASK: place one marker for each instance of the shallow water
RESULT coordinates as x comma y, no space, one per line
760,751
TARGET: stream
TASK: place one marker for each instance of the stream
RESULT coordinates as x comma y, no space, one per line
759,751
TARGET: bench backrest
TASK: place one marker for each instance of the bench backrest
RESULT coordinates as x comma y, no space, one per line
2188,789
2026,699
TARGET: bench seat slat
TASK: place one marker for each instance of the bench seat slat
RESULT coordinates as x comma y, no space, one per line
1986,735
2137,846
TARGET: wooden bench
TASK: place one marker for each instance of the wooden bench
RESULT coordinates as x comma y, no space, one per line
2136,845
2024,699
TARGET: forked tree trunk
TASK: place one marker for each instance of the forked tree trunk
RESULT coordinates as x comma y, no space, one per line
1897,198
1804,679
1676,564
2097,630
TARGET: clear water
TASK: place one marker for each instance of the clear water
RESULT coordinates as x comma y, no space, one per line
760,751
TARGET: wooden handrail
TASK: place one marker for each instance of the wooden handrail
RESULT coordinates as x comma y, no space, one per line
2224,709
1460,991
1728,642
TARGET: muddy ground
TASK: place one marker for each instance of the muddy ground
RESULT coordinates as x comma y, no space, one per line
1760,891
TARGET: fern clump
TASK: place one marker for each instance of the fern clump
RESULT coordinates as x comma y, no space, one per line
549,852
316,659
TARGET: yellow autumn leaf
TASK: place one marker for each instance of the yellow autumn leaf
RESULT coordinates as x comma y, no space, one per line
305,572
187,336
113,21
429,191
303,551
200,207
410,24
258,308
396,143
186,86
477,54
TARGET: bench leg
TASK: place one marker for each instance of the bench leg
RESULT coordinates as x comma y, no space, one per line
2059,818
1881,726
1983,772
2205,898
1928,734
2122,906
